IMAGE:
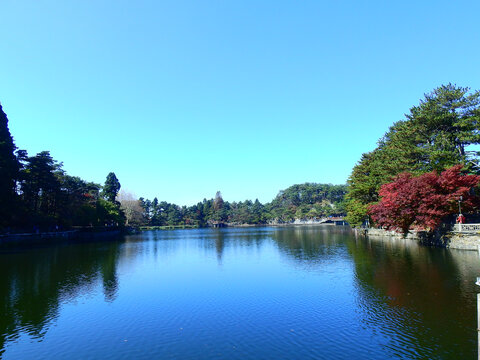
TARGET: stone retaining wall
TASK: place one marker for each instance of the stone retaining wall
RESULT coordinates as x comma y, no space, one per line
451,240
412,235
463,241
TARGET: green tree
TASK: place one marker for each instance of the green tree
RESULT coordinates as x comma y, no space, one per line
218,202
41,188
111,187
435,135
147,209
446,123
298,200
8,171
258,216
109,213
219,209
77,201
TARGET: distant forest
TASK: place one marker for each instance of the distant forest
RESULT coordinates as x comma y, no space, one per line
304,201
36,194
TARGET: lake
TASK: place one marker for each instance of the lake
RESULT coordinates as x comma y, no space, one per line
245,293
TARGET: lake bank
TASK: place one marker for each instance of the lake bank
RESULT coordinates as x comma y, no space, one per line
449,240
100,233
85,234
297,222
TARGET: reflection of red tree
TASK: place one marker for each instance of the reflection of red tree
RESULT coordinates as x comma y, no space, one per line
393,288
397,285
422,202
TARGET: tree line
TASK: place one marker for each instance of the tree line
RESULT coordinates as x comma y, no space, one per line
302,201
422,166
410,165
36,193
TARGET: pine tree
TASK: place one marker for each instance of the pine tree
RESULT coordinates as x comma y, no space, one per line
435,135
111,187
8,171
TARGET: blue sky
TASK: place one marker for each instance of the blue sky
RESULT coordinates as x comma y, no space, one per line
184,98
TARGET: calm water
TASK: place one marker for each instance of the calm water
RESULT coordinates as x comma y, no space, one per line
256,293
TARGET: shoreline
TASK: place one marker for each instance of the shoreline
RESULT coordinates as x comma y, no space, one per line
76,235
230,225
450,240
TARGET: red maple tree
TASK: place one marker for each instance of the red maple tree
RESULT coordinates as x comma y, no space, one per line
422,202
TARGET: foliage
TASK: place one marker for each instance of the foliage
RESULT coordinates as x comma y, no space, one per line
303,201
435,135
77,201
109,214
38,194
111,187
247,212
357,212
40,184
220,208
307,201
8,171
423,201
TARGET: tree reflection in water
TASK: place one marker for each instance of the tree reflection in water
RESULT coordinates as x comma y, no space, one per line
35,282
422,299
402,299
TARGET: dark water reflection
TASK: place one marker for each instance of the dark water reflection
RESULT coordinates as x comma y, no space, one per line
35,282
253,293
424,299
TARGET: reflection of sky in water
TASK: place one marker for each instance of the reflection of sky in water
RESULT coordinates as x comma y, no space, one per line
283,293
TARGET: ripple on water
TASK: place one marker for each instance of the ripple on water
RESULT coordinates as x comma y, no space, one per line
234,294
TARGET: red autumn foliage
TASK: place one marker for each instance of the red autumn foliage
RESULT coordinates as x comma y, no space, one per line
422,202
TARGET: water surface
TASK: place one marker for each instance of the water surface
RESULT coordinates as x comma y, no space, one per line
254,293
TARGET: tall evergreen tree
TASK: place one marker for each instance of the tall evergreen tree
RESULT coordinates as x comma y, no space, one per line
219,210
218,202
8,171
111,187
40,184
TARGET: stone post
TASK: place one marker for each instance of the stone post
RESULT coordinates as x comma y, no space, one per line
478,325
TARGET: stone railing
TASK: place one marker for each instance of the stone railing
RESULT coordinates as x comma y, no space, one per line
466,228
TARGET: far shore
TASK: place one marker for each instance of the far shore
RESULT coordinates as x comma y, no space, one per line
230,225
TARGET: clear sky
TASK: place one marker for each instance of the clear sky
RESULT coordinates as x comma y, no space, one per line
184,98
